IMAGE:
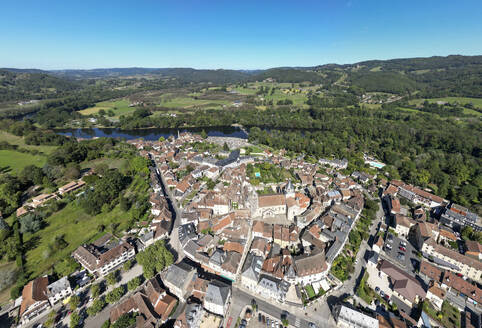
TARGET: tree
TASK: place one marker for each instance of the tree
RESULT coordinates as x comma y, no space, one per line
106,324
115,295
30,223
225,147
204,135
154,259
134,283
74,302
50,319
127,265
96,306
74,320
112,277
95,290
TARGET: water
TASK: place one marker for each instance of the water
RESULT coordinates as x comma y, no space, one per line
150,134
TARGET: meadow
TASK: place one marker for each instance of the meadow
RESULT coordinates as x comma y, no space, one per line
119,107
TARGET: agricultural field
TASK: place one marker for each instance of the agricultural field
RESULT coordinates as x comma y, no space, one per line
188,102
119,107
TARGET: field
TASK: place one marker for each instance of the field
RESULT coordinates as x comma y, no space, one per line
119,107
283,91
14,140
477,102
14,161
75,226
5,294
192,103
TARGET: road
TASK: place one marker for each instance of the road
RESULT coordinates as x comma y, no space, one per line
174,235
296,316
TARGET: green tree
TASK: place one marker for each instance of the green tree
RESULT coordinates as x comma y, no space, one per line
96,306
115,295
154,259
95,290
112,277
74,319
74,302
134,283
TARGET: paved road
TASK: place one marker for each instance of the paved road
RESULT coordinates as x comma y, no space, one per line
296,316
174,235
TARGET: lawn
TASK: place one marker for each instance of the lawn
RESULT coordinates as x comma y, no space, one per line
76,226
19,141
310,291
120,107
14,161
5,293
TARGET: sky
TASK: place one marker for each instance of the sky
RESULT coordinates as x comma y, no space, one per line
241,34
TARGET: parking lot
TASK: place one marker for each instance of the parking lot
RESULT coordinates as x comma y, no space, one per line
409,261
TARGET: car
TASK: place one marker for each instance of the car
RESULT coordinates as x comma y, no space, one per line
312,325
403,249
259,317
386,297
382,293
268,322
404,244
263,318
388,246
390,237
244,322
377,289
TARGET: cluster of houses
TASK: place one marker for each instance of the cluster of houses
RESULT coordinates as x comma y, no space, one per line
446,271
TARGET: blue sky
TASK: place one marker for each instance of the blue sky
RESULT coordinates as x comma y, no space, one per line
232,34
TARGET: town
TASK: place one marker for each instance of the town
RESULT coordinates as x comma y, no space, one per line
244,236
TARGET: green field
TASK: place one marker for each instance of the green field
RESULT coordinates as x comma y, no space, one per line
76,226
189,102
13,162
14,140
120,107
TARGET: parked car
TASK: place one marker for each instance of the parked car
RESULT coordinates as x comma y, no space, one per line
390,237
404,244
388,246
259,317
311,325
377,289
402,248
382,293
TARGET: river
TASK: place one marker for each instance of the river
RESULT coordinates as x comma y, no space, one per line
152,133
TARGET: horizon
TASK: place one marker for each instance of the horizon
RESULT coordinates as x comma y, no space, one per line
228,69
224,35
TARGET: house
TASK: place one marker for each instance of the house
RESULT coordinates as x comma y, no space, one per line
310,268
430,271
378,245
251,271
191,317
103,255
271,287
34,299
71,186
349,318
217,298
421,232
177,279
474,249
446,236
472,292
138,303
436,295
42,199
394,206
403,225
59,290
162,303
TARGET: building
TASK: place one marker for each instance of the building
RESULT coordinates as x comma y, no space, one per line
71,186
458,217
349,318
436,295
403,225
59,290
465,265
217,298
310,268
251,271
34,299
474,249
104,255
270,287
177,279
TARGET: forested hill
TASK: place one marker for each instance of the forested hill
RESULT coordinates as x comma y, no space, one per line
427,77
32,84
